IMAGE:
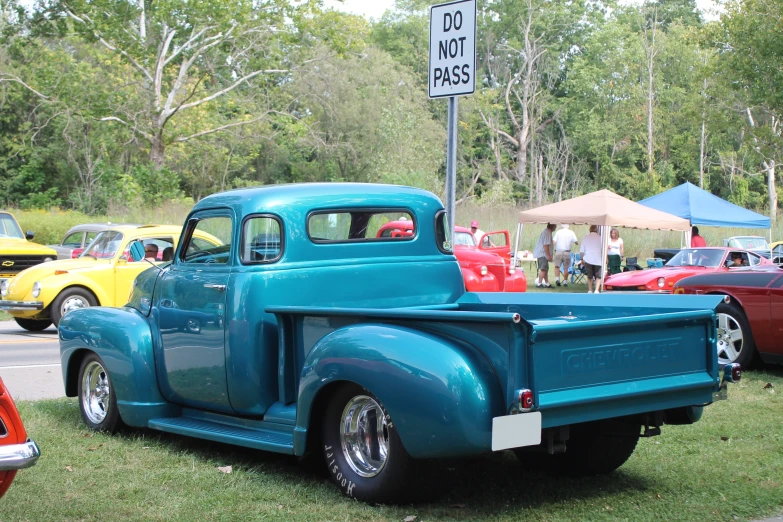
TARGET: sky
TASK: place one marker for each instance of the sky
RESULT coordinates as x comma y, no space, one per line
367,8
376,8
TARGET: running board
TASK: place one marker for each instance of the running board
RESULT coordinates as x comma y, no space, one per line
256,436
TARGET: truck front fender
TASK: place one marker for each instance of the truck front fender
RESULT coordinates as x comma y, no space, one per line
441,393
122,338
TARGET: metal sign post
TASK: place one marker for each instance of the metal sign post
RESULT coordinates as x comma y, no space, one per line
452,73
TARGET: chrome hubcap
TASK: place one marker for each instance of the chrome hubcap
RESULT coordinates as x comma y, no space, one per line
72,303
364,435
96,392
730,341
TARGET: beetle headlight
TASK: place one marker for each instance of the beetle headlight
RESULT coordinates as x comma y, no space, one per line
661,282
47,259
3,287
484,270
36,289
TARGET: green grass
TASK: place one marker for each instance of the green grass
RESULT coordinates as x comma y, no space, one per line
729,466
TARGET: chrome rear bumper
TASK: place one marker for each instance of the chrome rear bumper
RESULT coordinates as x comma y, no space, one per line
19,456
21,305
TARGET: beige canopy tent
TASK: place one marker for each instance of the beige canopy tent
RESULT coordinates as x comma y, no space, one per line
605,209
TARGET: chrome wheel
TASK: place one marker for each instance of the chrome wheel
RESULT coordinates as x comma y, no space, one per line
96,392
364,436
73,303
730,339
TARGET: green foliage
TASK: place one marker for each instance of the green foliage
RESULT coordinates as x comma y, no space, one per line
339,98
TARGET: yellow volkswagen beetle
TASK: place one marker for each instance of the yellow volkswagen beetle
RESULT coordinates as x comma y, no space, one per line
102,275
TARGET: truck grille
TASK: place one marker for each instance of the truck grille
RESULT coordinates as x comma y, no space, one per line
15,264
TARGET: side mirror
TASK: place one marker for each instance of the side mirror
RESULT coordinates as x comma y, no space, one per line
136,251
29,235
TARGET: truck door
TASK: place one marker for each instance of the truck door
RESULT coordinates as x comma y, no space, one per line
190,303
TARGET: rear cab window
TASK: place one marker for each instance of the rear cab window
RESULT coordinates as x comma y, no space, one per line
361,225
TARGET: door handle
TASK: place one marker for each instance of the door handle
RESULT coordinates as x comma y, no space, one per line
221,288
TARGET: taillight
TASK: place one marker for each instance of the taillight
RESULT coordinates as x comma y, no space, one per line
732,372
525,398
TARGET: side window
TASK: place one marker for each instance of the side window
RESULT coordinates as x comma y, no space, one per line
73,240
90,238
209,241
159,248
261,240
754,259
442,236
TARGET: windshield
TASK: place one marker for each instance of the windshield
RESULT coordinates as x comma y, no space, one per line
749,243
697,257
464,238
8,227
105,245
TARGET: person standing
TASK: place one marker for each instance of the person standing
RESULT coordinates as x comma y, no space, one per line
696,240
543,253
591,256
616,247
476,231
563,240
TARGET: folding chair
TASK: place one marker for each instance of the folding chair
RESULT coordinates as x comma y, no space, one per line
615,264
631,264
579,272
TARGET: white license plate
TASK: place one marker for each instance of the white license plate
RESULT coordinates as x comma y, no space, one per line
515,431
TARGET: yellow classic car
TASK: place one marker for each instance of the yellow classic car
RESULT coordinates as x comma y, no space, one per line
16,250
102,275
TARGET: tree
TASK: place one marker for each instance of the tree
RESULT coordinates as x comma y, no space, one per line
173,59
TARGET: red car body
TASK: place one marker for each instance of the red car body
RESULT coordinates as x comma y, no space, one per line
754,299
687,262
485,268
16,452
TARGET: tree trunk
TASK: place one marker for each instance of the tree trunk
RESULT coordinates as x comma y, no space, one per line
157,152
772,190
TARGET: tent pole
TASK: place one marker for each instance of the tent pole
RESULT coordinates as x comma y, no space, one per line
516,246
604,253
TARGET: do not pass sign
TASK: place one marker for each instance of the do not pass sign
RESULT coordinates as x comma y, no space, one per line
452,49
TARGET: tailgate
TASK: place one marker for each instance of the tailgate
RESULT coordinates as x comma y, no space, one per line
582,369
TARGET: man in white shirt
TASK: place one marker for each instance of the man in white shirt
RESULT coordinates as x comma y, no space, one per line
591,256
563,239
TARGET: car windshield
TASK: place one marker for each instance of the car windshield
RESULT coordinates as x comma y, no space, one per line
105,245
749,243
464,238
697,257
9,228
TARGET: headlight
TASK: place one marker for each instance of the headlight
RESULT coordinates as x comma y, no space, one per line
484,271
3,287
47,259
661,282
36,289
511,270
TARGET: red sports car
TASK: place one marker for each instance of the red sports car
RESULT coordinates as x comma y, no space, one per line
750,320
16,452
687,262
485,268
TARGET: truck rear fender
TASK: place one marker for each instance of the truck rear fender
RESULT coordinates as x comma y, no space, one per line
122,338
441,394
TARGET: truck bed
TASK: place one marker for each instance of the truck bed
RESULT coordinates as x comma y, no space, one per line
585,357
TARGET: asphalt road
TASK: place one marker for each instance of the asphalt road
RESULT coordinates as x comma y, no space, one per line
30,362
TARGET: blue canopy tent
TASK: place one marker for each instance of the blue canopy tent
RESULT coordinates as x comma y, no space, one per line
702,208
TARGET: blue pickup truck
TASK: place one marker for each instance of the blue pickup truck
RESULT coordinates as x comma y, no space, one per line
298,331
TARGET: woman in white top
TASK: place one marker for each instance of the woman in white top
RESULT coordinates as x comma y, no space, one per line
616,247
